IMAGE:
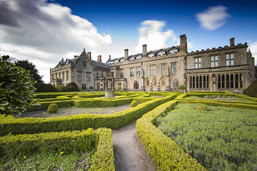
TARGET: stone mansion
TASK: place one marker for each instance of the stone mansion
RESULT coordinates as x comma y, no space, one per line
229,68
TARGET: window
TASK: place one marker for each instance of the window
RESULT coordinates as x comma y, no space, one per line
151,55
63,75
152,70
164,69
83,63
79,76
67,75
147,82
161,53
173,68
138,71
198,62
88,77
163,82
175,83
131,72
136,85
154,83
121,73
230,59
173,51
214,61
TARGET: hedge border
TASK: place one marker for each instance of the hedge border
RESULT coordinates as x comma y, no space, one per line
101,138
79,122
165,153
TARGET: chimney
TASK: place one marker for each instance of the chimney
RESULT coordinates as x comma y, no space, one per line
110,57
126,53
232,41
89,56
183,43
99,58
144,49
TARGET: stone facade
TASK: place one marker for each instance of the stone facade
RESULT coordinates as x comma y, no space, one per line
228,68
82,70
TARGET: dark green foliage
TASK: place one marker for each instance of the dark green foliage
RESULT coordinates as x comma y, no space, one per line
91,88
52,108
251,90
182,87
30,67
42,87
133,103
201,107
71,87
16,88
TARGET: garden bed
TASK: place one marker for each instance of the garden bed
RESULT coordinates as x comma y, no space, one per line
220,138
76,110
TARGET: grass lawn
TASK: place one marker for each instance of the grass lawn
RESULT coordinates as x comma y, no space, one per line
220,138
228,98
48,161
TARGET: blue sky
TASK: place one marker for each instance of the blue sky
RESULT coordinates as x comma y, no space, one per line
46,31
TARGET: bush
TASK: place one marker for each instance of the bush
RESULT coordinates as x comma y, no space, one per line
16,88
251,90
119,88
200,107
71,87
52,108
182,87
42,87
91,88
60,88
133,103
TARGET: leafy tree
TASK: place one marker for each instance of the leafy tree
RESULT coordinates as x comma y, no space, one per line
42,87
32,68
182,87
16,88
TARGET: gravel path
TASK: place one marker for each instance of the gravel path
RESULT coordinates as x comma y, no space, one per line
129,153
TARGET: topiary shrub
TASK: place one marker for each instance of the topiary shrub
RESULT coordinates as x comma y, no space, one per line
52,108
71,87
200,107
251,90
16,88
182,87
133,103
42,87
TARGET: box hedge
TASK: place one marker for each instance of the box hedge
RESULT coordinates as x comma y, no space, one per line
78,122
165,153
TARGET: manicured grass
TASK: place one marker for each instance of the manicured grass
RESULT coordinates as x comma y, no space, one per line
49,161
228,98
220,138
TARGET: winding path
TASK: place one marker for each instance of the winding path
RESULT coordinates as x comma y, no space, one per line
129,153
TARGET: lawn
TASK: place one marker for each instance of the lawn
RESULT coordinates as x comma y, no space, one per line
227,98
221,138
49,161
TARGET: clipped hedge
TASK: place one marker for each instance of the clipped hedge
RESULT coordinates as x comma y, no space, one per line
25,144
104,157
78,122
165,153
101,102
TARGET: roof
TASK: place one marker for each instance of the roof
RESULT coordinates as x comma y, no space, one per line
99,64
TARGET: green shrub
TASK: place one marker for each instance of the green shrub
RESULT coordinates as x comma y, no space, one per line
42,87
182,87
200,107
133,103
62,97
71,87
119,88
52,108
251,90
91,88
16,88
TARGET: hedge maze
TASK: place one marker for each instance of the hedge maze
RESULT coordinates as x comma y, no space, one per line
84,132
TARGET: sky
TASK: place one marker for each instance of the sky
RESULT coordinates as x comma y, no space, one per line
45,31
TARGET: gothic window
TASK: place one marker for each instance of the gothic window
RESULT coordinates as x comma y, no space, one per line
236,81
147,82
200,81
219,81
136,85
198,62
163,82
175,83
173,68
154,82
231,81
197,82
121,73
227,81
230,59
164,71
223,81
204,81
215,61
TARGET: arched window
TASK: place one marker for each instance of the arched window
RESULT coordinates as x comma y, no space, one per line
136,85
175,83
147,82
200,81
207,80
231,81
204,82
227,81
236,81
190,82
197,83
154,82
193,81
223,81
219,81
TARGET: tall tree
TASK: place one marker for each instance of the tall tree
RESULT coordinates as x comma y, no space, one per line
32,68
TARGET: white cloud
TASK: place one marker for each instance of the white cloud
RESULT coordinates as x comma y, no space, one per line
213,17
151,33
253,48
45,32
